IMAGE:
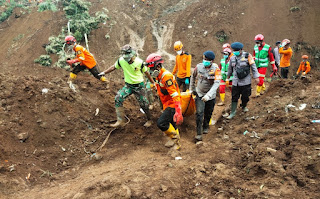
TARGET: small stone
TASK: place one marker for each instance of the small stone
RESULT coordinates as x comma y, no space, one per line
170,165
271,150
62,136
318,154
23,136
220,129
200,143
164,188
276,97
64,163
189,26
97,156
169,144
225,137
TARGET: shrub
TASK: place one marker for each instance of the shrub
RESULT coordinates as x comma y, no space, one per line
47,5
44,60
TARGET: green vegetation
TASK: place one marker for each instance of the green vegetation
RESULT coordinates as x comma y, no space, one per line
47,5
44,60
294,9
221,36
81,22
10,6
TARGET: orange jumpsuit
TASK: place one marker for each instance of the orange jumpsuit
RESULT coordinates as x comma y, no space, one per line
84,56
167,89
304,67
183,66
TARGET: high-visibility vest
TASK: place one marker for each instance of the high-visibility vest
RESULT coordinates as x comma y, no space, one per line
261,57
224,69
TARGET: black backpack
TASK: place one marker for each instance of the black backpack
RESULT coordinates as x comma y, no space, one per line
244,71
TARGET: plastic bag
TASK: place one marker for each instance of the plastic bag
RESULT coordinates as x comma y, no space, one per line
188,105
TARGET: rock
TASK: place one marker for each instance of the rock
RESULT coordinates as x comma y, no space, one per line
164,188
169,144
125,192
23,136
276,97
64,163
220,129
271,150
97,156
199,144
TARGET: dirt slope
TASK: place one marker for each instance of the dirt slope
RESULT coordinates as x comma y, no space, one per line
62,130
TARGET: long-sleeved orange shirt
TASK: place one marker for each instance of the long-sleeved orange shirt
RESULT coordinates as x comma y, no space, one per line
167,88
286,56
84,56
304,67
183,65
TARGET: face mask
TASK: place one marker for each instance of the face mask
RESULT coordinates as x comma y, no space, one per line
154,73
236,53
206,63
225,56
258,44
127,59
179,52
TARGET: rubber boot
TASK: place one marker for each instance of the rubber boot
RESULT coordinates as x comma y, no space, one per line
222,97
103,79
263,89
120,116
149,121
174,135
233,110
258,91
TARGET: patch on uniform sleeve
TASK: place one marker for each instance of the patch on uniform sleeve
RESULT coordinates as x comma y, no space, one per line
78,52
169,82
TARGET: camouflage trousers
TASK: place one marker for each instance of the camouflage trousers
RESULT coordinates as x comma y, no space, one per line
139,91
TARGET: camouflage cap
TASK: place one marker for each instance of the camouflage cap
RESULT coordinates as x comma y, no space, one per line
127,51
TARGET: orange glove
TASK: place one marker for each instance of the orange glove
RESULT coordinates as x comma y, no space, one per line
178,118
227,82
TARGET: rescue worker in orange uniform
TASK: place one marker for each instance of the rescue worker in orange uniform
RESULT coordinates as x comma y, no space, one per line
84,57
183,66
169,93
262,54
304,66
286,53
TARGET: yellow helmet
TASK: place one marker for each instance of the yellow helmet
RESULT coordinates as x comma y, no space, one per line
178,45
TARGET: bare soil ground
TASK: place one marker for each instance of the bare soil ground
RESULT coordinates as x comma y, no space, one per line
50,136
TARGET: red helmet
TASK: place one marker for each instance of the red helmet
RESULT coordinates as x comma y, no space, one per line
228,50
68,39
226,45
153,60
259,37
305,57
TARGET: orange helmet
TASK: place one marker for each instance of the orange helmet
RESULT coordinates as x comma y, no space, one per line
178,45
259,37
226,45
68,39
305,57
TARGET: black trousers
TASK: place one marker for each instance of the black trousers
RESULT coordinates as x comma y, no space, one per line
94,71
244,91
203,114
166,118
181,81
284,72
